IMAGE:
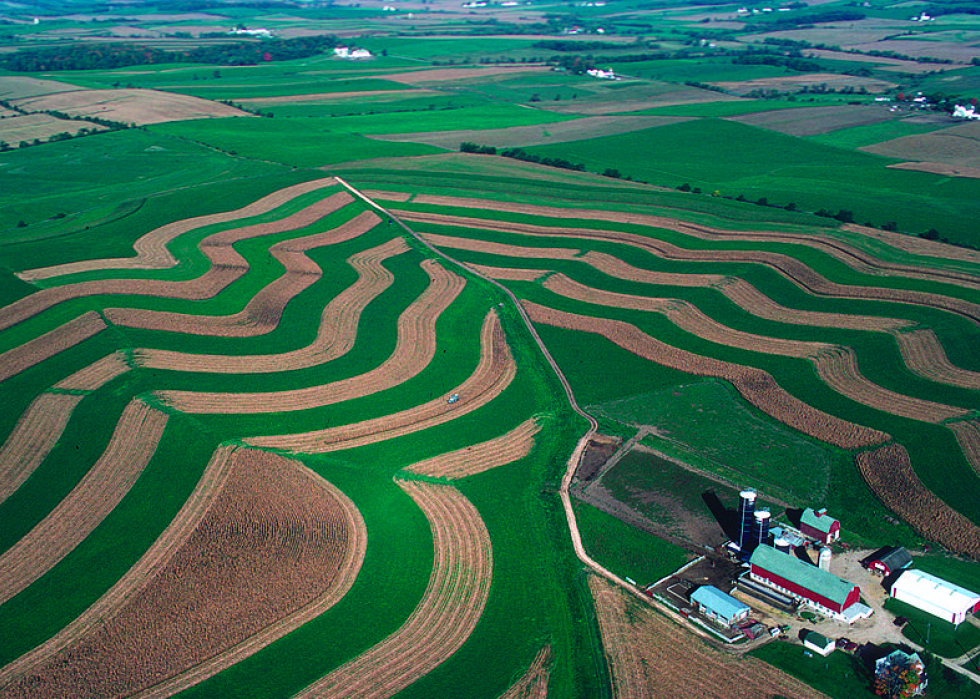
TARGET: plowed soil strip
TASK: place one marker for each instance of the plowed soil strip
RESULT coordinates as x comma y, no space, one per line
478,458
889,473
511,274
651,657
35,434
534,683
386,195
151,249
444,618
156,557
97,374
264,311
755,385
493,374
132,445
414,350
336,335
858,260
226,266
924,355
503,249
839,370
968,436
286,537
794,270
49,344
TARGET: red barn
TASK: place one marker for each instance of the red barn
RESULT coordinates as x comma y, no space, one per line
807,584
820,526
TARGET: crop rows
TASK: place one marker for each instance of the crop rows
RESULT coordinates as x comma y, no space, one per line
447,613
534,683
478,458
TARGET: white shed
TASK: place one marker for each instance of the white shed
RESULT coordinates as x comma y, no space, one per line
935,595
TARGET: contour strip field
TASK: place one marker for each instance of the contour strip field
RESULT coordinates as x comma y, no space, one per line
445,616
478,458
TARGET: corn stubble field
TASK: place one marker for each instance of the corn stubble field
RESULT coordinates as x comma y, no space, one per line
272,433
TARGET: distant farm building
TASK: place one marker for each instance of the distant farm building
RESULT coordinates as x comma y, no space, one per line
819,526
818,643
935,596
347,52
808,584
888,560
719,606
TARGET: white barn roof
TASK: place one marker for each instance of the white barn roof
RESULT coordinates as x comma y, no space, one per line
935,591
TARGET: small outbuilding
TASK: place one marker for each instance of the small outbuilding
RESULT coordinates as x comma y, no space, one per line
936,596
719,606
888,560
818,643
819,526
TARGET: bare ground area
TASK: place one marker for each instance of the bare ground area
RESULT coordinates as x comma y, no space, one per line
284,537
131,106
130,449
953,151
650,656
940,169
481,457
492,375
817,120
414,350
794,83
16,128
445,616
889,473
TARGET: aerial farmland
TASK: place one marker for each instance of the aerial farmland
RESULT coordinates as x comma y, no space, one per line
434,349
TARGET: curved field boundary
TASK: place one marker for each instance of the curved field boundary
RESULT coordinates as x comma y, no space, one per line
445,616
286,539
335,337
502,249
414,350
888,471
510,274
151,249
791,268
534,683
854,258
651,657
388,195
129,451
915,245
755,385
967,435
149,565
478,458
97,374
35,434
226,266
836,366
924,355
492,375
263,312
49,344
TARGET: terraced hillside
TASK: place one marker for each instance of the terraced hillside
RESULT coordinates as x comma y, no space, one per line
230,467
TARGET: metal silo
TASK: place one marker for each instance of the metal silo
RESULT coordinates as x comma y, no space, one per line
746,508
760,528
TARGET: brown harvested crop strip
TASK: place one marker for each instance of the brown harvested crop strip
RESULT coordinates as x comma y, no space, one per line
97,374
791,268
889,472
650,656
226,266
511,274
414,350
129,451
924,355
855,258
155,558
493,374
34,435
335,337
478,458
35,351
503,249
151,249
755,385
967,434
839,370
286,538
387,195
534,683
445,616
686,317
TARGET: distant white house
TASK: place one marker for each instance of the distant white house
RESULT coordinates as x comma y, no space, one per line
966,112
607,74
263,33
347,52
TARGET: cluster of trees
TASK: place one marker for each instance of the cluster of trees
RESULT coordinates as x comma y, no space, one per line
793,61
800,44
520,154
796,21
108,56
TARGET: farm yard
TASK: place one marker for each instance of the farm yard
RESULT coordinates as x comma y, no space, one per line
328,376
